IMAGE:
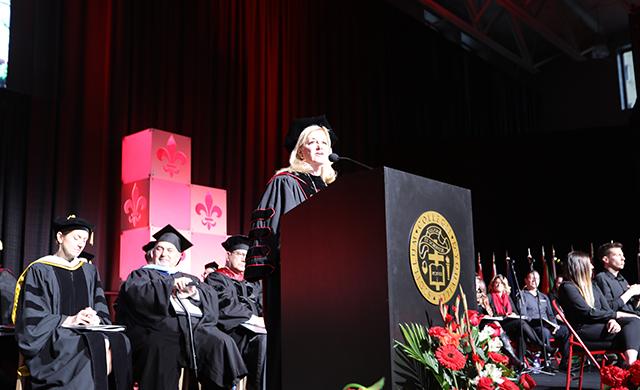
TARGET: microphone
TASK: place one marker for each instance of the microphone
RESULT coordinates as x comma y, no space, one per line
333,157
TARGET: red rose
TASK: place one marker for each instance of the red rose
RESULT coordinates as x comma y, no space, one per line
498,358
448,319
527,382
508,385
497,329
450,357
634,372
619,388
485,383
613,376
437,331
474,317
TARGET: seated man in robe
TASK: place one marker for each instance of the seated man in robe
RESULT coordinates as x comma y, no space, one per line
57,297
241,309
171,320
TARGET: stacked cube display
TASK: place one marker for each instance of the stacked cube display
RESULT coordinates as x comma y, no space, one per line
157,190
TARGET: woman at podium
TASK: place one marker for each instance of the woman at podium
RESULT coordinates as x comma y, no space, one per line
309,141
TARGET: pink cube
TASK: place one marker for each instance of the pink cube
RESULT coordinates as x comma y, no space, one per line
155,202
206,248
156,153
208,210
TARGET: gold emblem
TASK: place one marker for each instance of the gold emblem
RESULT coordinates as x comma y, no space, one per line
435,257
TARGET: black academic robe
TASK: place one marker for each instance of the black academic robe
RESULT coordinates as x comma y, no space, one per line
59,357
284,191
239,300
161,339
7,289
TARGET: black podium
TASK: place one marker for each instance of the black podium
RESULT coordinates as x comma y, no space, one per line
373,250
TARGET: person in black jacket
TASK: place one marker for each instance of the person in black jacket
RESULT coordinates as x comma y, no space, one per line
587,310
615,288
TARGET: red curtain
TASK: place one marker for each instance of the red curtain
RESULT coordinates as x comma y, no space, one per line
230,75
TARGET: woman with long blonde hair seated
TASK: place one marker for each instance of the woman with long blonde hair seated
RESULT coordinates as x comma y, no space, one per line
589,313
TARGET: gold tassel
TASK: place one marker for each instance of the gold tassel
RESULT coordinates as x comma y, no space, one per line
91,238
1,248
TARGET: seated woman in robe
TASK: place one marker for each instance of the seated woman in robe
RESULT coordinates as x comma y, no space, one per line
588,312
57,296
171,319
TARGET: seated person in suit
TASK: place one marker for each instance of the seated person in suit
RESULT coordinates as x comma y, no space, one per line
530,308
502,305
241,309
172,322
484,308
55,294
617,291
587,310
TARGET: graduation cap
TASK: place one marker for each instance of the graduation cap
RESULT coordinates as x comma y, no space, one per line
213,265
171,235
148,246
70,223
298,125
236,242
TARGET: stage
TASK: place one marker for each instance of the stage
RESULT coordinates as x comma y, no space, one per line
591,380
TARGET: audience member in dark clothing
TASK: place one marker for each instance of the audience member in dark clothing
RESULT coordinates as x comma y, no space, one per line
589,313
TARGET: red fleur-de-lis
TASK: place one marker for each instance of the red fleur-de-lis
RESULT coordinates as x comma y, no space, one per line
134,205
174,157
207,210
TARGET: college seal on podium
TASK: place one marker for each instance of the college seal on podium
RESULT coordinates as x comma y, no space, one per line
435,257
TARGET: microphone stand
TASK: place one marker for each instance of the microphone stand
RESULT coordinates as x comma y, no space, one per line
333,157
544,340
518,298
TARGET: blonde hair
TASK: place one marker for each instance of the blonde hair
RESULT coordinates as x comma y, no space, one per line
579,272
296,164
504,281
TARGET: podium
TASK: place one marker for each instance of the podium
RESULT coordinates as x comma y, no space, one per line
373,250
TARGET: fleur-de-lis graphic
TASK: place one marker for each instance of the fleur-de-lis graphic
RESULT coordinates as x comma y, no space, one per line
134,205
207,211
173,157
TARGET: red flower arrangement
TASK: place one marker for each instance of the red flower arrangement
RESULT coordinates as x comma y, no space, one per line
444,350
619,378
634,374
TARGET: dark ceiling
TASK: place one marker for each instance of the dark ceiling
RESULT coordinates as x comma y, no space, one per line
529,33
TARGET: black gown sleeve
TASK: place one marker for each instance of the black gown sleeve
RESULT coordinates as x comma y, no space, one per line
282,194
144,296
232,311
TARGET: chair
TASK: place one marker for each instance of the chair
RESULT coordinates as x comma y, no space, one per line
583,351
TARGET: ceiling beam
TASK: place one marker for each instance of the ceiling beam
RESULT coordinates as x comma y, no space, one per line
540,28
477,34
